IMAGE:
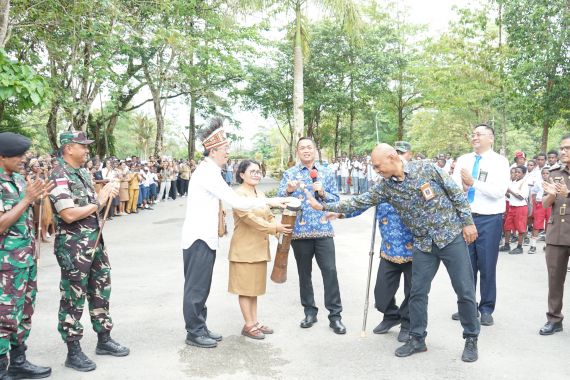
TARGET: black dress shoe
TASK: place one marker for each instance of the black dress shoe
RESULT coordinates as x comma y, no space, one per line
487,319
309,321
213,335
203,341
470,352
385,326
404,335
550,328
337,327
412,346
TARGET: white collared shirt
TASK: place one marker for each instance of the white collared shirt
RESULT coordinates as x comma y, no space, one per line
491,183
205,190
519,188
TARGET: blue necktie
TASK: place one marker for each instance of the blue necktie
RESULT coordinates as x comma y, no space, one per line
474,173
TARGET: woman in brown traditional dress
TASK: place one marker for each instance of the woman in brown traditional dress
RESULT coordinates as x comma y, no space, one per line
249,250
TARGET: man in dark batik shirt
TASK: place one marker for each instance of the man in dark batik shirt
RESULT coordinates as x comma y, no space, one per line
437,213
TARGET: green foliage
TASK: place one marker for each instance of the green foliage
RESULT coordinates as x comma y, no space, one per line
21,89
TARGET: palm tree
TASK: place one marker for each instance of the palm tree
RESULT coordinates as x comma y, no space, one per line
345,10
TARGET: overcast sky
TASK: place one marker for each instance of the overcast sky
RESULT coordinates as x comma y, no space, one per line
436,14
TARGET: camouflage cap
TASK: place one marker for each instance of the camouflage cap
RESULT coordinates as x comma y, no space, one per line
78,137
402,146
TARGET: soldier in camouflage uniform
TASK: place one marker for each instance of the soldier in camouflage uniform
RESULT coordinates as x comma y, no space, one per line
18,268
85,269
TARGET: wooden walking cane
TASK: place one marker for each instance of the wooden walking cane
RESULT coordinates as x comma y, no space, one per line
39,237
109,202
370,259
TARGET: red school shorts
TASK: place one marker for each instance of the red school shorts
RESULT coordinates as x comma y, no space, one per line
516,219
541,216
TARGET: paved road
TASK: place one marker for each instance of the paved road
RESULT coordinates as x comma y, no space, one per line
146,306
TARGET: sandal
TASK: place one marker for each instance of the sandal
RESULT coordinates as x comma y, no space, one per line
264,329
252,332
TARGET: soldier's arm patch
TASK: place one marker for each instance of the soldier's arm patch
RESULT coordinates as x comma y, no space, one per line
61,195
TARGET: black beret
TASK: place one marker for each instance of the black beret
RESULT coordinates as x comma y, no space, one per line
13,144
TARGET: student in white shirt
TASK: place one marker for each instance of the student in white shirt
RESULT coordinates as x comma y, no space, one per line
200,232
540,215
344,174
517,215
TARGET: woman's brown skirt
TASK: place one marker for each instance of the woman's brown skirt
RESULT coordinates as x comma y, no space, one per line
124,191
248,279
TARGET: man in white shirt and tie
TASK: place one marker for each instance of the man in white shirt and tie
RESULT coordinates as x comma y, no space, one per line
206,191
484,175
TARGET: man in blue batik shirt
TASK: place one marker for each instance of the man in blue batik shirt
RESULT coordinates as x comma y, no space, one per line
313,234
437,213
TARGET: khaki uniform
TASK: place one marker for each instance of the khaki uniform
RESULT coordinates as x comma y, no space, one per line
558,247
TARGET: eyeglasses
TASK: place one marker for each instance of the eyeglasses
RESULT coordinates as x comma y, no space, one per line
565,148
255,172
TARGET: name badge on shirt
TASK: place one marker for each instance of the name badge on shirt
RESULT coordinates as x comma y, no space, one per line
483,176
427,191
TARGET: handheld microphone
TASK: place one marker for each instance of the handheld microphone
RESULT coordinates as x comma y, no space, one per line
314,174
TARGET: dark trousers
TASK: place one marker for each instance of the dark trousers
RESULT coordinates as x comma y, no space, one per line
173,190
484,253
556,263
184,186
198,267
387,284
323,251
456,260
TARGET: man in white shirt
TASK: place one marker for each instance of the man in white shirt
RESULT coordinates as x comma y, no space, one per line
335,168
356,167
344,174
484,175
206,191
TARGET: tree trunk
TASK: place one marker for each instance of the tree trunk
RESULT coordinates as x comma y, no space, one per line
352,116
192,128
4,21
155,92
545,129
400,123
298,95
51,126
336,133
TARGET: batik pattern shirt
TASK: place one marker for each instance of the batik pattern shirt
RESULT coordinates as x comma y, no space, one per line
437,219
310,223
397,240
17,242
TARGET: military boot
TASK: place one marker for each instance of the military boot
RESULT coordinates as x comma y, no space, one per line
20,368
107,346
4,368
76,359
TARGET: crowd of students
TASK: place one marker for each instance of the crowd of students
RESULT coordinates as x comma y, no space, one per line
143,183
